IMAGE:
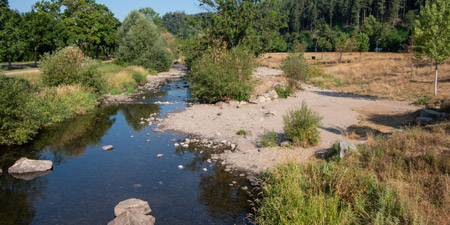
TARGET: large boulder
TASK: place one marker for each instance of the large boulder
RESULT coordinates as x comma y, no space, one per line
30,176
345,148
25,165
128,218
132,205
132,212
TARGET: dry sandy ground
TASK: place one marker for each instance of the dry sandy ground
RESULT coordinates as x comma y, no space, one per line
339,112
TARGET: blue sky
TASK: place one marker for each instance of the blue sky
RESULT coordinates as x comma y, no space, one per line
121,8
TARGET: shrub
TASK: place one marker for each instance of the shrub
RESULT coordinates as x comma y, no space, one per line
423,100
141,44
269,139
300,126
18,120
115,91
295,69
241,132
284,92
69,66
222,75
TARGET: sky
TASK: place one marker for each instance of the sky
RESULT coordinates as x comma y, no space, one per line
121,8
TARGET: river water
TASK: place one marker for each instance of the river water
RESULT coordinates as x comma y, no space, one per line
87,182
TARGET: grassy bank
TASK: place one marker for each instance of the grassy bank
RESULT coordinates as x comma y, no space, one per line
120,78
401,179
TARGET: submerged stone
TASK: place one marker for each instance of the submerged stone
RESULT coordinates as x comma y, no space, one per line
107,147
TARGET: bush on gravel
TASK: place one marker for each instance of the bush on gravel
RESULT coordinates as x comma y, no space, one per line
300,126
222,75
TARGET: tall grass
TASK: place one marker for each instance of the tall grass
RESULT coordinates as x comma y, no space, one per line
119,77
401,179
295,69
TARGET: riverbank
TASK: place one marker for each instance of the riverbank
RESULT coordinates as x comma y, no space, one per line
344,116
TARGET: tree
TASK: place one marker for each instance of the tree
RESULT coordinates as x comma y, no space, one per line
11,36
324,44
431,34
340,41
362,43
140,43
252,23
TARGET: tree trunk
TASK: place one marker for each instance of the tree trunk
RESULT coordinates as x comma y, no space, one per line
412,68
96,52
436,80
35,56
360,56
9,61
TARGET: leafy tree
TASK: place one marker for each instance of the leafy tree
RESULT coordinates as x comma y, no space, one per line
252,23
340,41
140,43
363,43
151,14
324,44
431,34
11,37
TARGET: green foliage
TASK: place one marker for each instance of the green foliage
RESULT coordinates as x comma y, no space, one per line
284,92
423,100
269,139
115,91
431,31
24,109
241,132
295,68
69,66
139,77
222,75
327,193
18,120
362,42
300,126
129,91
324,44
141,44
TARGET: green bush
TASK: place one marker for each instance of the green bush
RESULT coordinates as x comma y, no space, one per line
69,66
222,75
295,69
141,44
18,120
139,77
241,132
269,139
284,92
300,126
116,91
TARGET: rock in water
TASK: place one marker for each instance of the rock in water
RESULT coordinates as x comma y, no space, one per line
132,212
128,218
345,148
1,171
107,147
132,205
159,155
157,130
25,165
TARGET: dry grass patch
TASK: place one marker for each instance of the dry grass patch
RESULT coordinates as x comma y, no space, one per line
386,75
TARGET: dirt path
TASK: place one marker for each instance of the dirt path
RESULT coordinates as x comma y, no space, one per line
339,112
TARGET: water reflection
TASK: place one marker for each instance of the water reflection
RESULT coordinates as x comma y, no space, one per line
17,198
221,192
134,112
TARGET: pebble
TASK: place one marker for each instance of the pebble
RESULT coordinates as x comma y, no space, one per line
107,147
245,188
132,136
173,140
148,134
176,144
180,167
204,169
159,155
161,183
148,140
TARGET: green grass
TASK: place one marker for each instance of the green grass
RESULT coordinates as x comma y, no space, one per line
241,132
269,139
401,179
284,92
115,91
423,100
129,91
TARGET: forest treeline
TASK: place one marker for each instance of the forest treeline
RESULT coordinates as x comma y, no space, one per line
319,24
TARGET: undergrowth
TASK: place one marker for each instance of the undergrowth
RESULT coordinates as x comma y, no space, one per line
400,179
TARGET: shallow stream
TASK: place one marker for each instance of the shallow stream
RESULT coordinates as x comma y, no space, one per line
87,182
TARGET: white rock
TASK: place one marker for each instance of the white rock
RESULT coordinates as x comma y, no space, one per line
132,205
128,218
25,165
107,147
176,145
180,167
204,169
159,155
345,148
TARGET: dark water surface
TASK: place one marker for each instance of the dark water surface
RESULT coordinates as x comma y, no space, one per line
87,182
